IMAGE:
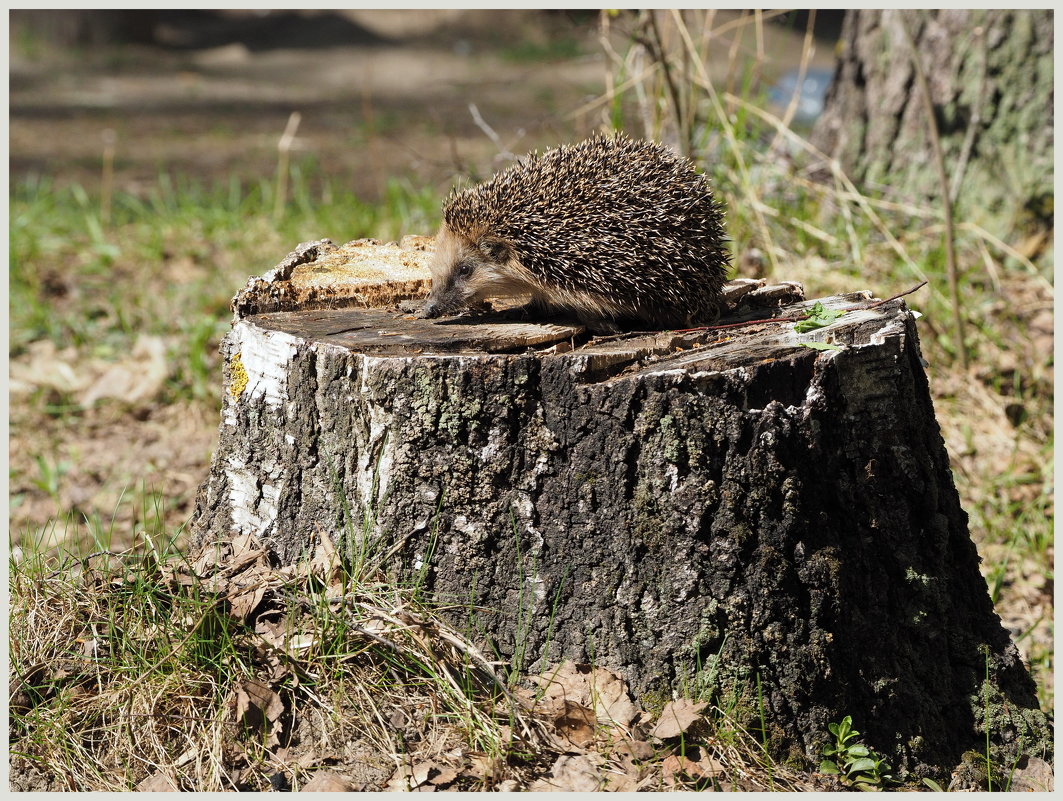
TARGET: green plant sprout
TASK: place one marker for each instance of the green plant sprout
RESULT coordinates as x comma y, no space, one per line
852,761
818,317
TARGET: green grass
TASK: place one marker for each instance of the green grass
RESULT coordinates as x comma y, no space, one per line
108,645
79,283
555,48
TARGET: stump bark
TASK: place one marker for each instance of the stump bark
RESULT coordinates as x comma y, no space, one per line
725,512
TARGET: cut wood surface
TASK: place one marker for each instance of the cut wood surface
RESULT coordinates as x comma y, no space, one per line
724,512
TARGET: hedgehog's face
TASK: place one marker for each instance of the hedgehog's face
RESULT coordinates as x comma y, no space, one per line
468,269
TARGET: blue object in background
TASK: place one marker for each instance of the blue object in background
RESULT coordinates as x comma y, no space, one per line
813,90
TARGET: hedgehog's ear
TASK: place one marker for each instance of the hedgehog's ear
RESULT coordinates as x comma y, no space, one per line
495,249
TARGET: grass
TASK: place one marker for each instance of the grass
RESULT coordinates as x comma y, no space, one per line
141,660
198,241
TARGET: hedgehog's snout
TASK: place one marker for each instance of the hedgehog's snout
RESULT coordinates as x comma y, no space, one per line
431,309
446,297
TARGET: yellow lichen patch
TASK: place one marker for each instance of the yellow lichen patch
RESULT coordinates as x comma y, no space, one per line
237,377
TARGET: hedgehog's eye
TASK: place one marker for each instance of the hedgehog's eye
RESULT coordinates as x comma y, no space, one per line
464,268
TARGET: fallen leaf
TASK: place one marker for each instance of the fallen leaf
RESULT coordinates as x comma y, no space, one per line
1032,775
138,377
445,776
597,688
400,780
695,765
274,632
677,717
243,544
257,704
212,557
242,602
635,749
43,365
621,783
577,774
157,782
482,766
328,781
419,773
576,724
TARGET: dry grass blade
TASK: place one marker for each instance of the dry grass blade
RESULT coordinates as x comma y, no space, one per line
169,687
807,49
851,192
732,140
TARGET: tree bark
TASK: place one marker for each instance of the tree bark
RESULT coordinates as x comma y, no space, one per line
992,88
724,512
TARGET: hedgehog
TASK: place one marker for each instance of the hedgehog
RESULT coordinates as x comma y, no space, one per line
615,232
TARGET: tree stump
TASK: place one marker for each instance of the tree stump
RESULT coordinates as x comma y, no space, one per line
722,511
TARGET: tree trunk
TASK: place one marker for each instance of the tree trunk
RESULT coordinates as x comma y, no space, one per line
991,80
725,511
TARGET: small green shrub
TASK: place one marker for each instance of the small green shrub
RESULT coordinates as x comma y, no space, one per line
852,761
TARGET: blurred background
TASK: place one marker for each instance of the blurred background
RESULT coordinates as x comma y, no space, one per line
159,158
385,96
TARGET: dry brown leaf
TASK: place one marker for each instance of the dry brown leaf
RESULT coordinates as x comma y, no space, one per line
139,377
326,564
626,763
625,768
243,545
677,717
482,766
576,723
157,782
328,781
525,696
274,632
635,749
695,765
211,558
1033,775
400,780
419,773
424,777
577,774
621,782
43,365
600,689
242,602
256,705
445,776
